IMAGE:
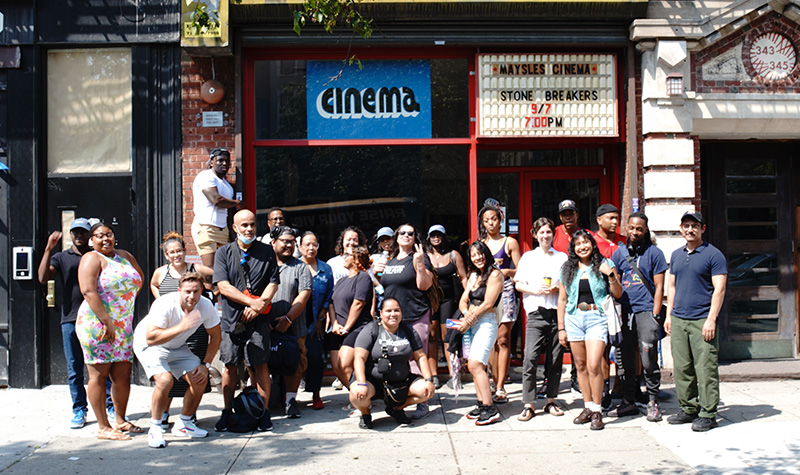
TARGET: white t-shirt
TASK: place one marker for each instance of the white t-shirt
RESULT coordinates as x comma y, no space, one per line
166,312
532,269
204,211
337,265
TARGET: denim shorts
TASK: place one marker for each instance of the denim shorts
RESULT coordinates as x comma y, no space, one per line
588,325
482,335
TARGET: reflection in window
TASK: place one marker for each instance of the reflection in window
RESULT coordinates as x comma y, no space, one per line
752,270
753,316
573,157
752,232
751,215
325,189
747,167
742,186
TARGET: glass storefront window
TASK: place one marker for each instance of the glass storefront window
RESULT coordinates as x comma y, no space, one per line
567,157
280,98
753,316
325,189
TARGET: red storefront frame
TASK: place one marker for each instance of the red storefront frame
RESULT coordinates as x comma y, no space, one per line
250,143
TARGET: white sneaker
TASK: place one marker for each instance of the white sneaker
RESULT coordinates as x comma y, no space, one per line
337,385
188,429
155,438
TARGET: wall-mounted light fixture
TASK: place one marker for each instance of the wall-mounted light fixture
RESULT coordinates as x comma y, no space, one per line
675,84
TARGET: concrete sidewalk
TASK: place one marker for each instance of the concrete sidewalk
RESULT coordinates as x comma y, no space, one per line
758,433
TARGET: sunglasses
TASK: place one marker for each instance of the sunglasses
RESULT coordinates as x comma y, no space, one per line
405,233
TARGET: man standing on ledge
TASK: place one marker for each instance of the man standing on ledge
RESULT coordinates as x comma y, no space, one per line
212,196
695,294
246,273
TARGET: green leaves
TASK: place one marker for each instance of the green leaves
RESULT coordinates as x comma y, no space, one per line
204,20
331,14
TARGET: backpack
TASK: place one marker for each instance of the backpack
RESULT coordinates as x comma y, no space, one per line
434,293
248,408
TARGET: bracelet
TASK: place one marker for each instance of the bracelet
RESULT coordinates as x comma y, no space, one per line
345,330
362,384
562,329
430,380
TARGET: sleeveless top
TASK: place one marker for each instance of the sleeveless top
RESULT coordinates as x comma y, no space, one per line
477,296
169,284
445,274
502,258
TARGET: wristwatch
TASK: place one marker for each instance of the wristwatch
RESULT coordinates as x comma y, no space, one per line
430,380
208,366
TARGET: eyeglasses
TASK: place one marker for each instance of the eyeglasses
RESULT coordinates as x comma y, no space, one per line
287,242
109,234
405,233
691,225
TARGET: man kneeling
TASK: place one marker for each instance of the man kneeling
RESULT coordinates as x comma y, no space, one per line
160,344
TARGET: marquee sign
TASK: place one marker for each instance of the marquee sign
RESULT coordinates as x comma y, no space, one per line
547,95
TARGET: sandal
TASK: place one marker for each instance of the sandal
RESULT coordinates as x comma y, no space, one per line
112,434
553,409
501,396
129,427
526,414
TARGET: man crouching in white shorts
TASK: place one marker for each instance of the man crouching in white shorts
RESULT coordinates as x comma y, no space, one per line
159,342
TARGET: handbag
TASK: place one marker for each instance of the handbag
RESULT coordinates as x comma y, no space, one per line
248,409
395,394
613,311
284,354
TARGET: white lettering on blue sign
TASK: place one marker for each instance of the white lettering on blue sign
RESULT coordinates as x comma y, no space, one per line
350,103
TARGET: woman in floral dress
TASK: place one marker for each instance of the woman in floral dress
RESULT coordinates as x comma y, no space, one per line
110,280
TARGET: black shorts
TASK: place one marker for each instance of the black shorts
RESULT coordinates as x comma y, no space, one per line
254,352
378,384
334,342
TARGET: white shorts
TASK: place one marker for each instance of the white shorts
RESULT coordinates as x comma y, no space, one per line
482,335
157,359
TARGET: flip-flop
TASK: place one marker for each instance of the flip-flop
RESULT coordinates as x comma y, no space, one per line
501,396
129,427
526,414
112,434
552,409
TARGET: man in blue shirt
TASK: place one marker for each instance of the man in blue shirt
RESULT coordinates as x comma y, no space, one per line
695,294
642,266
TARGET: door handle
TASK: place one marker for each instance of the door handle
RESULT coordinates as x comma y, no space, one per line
51,293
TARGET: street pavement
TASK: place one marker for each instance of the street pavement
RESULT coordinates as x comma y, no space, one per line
758,433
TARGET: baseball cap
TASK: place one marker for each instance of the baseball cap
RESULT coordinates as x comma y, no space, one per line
219,151
436,228
605,209
567,205
81,223
693,215
385,231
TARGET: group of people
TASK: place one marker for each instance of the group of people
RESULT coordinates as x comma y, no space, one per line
381,316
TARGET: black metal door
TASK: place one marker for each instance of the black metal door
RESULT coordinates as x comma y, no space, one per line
106,197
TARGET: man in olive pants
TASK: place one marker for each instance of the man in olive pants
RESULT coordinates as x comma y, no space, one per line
695,293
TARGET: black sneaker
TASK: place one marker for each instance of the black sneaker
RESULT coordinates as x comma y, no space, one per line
642,399
624,409
292,411
365,422
475,413
398,415
222,423
681,418
265,424
489,414
605,404
702,424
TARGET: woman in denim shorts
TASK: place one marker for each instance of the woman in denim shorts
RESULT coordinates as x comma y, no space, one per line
586,279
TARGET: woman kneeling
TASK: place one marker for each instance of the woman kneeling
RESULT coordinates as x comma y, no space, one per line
382,353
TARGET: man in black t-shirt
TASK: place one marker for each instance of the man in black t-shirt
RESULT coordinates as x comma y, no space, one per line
246,273
65,265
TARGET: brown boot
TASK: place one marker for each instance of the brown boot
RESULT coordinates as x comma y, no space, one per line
583,417
597,421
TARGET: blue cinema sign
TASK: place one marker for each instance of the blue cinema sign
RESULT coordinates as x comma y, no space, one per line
384,100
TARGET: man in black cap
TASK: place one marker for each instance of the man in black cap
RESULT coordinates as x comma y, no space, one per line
65,265
608,240
695,294
568,213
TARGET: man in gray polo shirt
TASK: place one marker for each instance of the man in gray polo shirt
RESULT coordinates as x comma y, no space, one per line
288,305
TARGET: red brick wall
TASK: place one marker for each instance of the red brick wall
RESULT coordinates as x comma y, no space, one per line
199,140
745,35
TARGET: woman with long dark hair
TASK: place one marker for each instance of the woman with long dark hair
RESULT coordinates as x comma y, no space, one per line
349,238
505,251
479,305
449,268
586,279
406,277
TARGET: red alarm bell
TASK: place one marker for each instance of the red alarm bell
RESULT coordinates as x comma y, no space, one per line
212,91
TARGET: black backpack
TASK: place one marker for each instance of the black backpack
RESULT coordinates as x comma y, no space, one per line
248,408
